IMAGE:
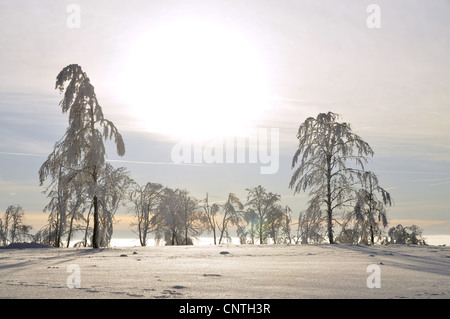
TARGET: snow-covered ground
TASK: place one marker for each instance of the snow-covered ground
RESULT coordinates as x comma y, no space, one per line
227,271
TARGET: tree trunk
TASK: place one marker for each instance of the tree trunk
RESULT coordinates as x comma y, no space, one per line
95,239
260,229
372,237
329,210
87,226
96,224
224,225
70,230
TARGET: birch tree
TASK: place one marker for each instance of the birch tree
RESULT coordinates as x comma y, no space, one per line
179,218
310,223
81,150
191,221
210,216
261,203
168,218
112,190
325,152
286,227
146,203
370,210
232,215
12,228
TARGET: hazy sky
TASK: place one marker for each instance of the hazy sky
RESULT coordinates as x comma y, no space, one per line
168,70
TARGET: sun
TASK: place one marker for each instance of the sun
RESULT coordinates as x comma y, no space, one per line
194,79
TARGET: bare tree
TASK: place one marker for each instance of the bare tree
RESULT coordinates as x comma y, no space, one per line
325,150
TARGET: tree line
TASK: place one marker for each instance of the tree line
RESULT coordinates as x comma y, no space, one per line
85,191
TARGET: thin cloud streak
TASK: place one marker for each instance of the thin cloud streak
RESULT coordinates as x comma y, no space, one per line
22,154
154,163
111,160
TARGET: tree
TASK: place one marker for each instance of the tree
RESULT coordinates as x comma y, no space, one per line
179,218
81,151
75,213
232,211
275,222
262,204
369,210
406,235
113,186
325,150
147,200
209,215
57,207
168,223
310,223
286,226
12,229
66,203
191,221
243,231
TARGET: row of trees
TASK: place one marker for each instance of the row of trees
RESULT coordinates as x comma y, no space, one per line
177,217
331,165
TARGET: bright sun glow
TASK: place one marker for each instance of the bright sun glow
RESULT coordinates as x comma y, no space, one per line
194,79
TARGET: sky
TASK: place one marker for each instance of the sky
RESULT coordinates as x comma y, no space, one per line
171,72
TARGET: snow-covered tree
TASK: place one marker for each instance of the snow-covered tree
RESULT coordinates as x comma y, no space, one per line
191,221
75,213
179,218
286,226
262,204
81,151
275,223
325,152
12,228
310,223
210,216
370,211
67,202
113,186
232,215
406,235
146,203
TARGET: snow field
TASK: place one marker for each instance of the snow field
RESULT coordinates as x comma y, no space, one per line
226,271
